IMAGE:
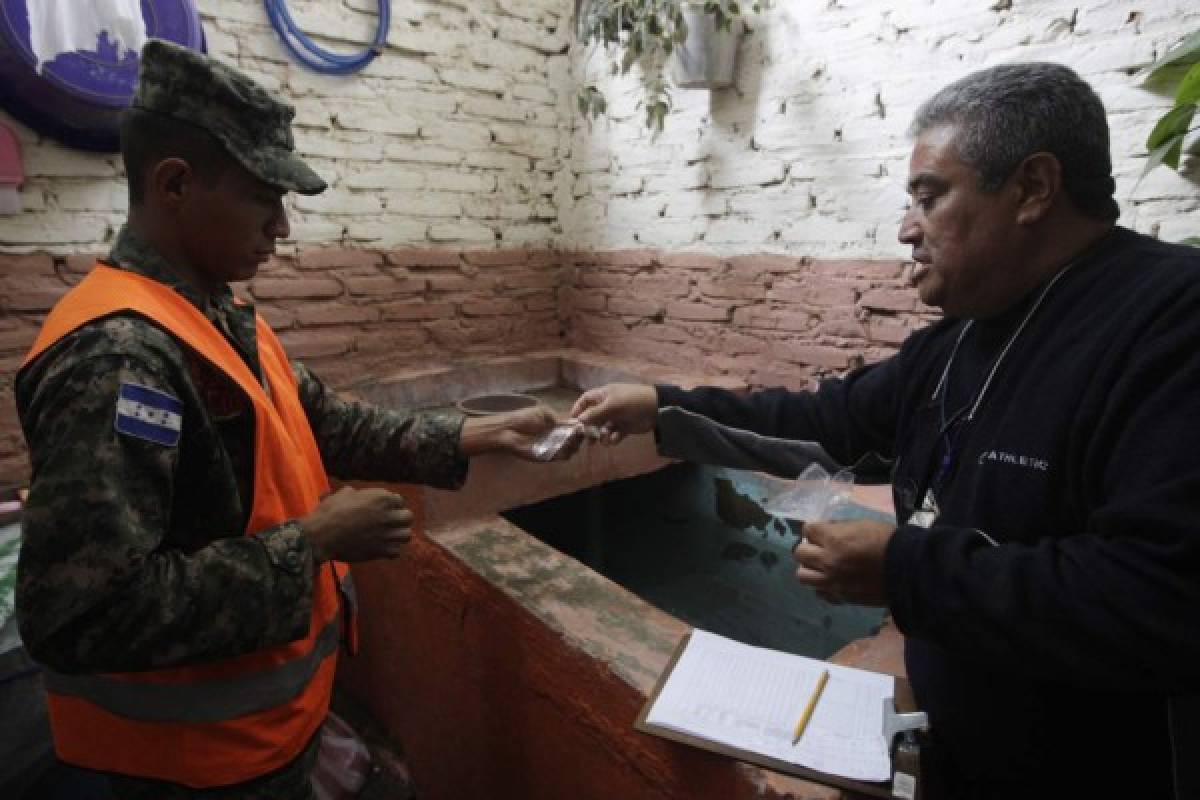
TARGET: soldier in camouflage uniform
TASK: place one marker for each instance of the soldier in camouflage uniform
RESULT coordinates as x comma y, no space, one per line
134,553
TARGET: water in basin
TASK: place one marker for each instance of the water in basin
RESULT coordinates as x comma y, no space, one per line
695,542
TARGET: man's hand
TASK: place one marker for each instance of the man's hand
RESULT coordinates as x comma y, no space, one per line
619,408
358,525
514,433
843,561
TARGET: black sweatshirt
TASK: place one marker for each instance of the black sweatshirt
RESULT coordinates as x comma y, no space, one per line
1044,660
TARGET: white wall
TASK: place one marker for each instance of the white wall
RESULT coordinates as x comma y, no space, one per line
465,131
452,136
808,152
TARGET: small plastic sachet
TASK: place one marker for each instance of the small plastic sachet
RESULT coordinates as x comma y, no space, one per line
549,446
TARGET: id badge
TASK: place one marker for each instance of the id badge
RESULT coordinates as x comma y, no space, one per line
927,514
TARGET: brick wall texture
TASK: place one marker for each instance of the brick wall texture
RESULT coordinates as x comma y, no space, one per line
348,313
464,133
807,152
451,136
352,313
471,212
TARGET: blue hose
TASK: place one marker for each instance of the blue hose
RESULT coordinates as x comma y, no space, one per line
309,53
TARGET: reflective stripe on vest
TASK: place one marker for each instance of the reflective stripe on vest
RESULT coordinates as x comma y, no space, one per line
238,717
211,701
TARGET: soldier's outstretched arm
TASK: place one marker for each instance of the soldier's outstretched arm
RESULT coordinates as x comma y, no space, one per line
364,442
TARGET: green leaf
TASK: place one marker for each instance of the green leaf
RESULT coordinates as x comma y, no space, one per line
656,114
591,102
644,32
628,59
1186,52
1174,123
1166,153
1194,241
1189,87
1165,80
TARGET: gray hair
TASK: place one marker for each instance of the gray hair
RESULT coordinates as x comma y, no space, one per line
1006,113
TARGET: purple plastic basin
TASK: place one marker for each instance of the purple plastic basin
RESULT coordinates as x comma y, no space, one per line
79,96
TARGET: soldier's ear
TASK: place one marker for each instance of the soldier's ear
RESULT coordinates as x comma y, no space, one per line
169,182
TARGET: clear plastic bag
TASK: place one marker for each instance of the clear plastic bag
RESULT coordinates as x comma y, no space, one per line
343,761
549,446
812,497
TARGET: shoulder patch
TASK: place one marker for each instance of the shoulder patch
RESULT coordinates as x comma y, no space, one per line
149,414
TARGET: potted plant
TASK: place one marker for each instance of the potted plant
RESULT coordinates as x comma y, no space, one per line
705,59
648,33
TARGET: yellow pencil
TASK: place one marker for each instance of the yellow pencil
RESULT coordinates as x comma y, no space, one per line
812,705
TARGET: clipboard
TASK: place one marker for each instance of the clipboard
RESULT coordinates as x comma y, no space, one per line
861,788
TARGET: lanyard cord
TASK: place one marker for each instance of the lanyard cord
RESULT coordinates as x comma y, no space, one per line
938,473
941,385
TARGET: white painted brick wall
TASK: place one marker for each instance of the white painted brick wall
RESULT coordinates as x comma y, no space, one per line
466,132
441,140
824,94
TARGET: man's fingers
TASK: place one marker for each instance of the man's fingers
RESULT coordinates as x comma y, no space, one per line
811,577
587,401
809,555
342,492
813,569
816,532
821,583
385,498
399,534
590,415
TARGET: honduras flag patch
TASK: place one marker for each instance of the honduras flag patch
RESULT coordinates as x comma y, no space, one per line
149,414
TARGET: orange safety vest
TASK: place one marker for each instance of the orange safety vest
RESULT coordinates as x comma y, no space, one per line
233,719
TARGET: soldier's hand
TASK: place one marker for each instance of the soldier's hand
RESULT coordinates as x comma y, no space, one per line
515,433
619,409
843,561
358,525
524,428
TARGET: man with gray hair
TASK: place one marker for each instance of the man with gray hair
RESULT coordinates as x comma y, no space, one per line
1042,438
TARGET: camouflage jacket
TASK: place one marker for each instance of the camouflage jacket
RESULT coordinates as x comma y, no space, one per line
135,554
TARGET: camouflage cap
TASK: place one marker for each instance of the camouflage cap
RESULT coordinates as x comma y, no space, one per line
254,127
